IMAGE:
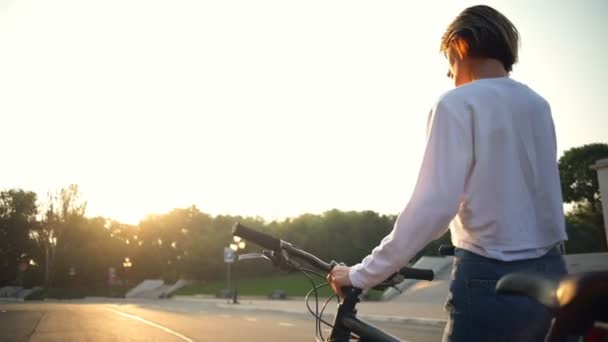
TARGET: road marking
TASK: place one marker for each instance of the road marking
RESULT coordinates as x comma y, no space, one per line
250,319
284,324
137,318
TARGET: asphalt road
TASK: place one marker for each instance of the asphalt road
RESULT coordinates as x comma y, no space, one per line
166,321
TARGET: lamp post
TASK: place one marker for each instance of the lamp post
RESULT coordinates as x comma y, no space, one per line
49,248
127,264
72,273
236,246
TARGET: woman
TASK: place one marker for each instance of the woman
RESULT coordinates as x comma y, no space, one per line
490,169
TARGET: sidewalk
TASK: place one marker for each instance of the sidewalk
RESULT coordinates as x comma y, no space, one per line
419,305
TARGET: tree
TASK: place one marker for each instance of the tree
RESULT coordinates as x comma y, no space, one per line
58,232
580,187
17,218
579,181
585,231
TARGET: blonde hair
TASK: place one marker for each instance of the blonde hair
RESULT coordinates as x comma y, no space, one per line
482,32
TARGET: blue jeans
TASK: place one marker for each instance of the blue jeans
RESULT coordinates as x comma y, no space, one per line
477,313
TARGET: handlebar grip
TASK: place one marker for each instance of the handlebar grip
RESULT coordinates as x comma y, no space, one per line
256,237
417,273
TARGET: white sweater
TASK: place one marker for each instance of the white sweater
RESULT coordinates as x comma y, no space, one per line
490,169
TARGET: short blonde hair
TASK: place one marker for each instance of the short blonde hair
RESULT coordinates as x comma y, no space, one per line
482,32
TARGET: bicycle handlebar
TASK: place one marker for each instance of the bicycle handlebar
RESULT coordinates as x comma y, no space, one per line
309,258
257,237
417,273
277,245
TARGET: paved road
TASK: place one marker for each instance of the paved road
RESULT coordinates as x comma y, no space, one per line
166,321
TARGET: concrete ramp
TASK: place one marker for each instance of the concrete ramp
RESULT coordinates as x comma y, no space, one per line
144,287
178,285
155,288
156,293
24,293
10,291
17,293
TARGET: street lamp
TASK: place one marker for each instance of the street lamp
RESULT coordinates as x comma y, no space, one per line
236,246
127,264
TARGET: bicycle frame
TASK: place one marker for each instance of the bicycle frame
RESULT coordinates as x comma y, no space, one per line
347,321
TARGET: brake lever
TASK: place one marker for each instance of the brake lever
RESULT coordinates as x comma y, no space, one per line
281,260
253,256
272,257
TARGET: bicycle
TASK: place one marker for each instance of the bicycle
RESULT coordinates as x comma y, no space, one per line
346,325
578,302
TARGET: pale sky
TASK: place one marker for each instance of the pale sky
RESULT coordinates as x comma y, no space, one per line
269,108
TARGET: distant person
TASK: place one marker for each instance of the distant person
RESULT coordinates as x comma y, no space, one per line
490,169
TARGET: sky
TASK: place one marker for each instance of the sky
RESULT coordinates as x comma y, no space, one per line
261,108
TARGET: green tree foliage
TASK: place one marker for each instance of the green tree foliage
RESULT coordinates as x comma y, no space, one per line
17,217
335,235
584,223
184,243
585,230
579,181
61,232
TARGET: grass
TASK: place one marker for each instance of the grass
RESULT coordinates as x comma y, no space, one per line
295,285
77,293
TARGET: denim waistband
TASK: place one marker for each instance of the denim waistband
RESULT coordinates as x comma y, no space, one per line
464,254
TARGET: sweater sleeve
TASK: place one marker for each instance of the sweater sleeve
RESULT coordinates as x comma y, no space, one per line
446,165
